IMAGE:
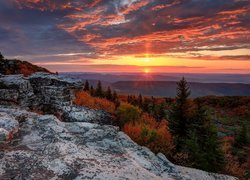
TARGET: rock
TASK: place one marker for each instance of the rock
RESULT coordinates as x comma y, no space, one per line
17,87
45,79
10,95
46,148
83,114
83,145
8,127
38,90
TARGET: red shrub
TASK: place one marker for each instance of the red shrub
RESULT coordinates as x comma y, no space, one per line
84,99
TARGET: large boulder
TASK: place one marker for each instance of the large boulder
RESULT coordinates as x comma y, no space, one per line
46,148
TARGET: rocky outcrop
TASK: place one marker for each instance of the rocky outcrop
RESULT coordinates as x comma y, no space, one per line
46,148
54,90
50,93
17,89
81,145
38,90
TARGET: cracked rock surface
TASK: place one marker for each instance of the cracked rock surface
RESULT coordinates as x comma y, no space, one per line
46,148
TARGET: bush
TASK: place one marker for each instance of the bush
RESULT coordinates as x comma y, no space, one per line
127,113
151,134
84,99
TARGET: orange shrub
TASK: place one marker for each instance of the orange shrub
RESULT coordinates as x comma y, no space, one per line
232,164
84,99
150,133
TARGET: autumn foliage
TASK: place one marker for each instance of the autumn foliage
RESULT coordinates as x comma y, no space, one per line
146,131
84,99
149,122
18,67
234,166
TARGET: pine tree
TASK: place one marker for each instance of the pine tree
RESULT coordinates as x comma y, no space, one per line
140,100
99,91
108,94
92,91
241,138
203,145
115,99
1,56
86,86
161,111
115,96
179,117
183,91
129,99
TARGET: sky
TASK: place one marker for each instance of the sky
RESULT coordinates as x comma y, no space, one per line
190,36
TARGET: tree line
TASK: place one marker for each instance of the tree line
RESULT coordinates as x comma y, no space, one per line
101,93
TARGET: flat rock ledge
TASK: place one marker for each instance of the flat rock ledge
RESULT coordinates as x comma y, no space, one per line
44,147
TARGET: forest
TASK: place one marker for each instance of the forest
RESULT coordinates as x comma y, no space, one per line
209,133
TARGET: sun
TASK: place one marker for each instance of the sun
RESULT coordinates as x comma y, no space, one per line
146,71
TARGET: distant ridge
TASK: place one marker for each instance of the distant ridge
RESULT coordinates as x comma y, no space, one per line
15,66
168,88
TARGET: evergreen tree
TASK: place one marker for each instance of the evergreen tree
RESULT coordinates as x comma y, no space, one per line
92,91
160,111
183,91
140,100
86,86
179,117
1,56
129,99
99,91
115,96
203,145
116,99
108,94
241,138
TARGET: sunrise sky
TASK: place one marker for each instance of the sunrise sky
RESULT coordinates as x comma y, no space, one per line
198,36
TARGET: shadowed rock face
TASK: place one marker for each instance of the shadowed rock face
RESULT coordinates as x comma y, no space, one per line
81,146
50,93
46,148
38,90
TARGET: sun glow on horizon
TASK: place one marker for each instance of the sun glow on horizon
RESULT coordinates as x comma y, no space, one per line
146,70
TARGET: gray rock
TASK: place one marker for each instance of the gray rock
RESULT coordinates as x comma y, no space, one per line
83,114
46,148
83,146
39,90
19,90
8,127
